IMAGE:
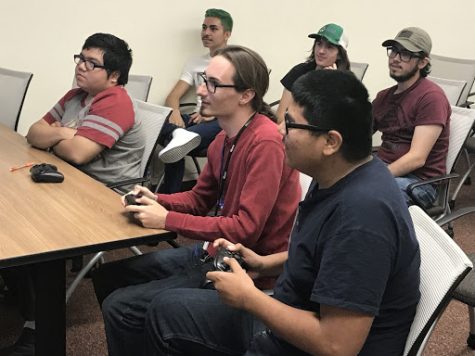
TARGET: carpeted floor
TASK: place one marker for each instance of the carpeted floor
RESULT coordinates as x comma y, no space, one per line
85,332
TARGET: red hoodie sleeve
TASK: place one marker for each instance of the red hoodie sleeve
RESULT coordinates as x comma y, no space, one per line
264,173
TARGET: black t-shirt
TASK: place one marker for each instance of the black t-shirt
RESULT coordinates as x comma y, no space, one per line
354,247
295,73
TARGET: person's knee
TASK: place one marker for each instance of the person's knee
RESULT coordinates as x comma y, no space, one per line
166,308
113,305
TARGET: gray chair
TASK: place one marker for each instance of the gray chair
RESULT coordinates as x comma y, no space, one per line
13,88
461,122
359,69
465,292
468,149
455,69
443,267
452,88
138,86
152,118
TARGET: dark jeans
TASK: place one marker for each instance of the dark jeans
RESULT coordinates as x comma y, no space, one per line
163,306
139,280
174,172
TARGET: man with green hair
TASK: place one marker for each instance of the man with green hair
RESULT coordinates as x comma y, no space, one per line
184,133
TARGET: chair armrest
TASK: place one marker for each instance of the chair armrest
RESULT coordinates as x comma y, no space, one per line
274,103
455,215
182,105
410,188
127,182
432,180
187,108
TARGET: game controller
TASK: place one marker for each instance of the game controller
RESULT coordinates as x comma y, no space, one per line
46,173
220,265
131,199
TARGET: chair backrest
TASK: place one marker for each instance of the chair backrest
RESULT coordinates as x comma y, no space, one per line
359,69
152,117
455,69
13,88
443,266
138,86
305,182
461,122
452,88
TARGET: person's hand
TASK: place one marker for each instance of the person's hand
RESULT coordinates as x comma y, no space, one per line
67,133
234,287
56,124
253,261
196,118
332,67
140,191
176,119
149,212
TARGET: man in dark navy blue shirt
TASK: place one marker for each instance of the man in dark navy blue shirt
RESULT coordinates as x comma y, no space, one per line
349,283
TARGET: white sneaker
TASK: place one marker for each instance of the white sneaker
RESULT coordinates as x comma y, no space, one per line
183,141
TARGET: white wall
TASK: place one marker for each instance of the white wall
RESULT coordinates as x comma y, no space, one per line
42,36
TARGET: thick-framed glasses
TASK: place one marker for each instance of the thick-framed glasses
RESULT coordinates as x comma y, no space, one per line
212,85
90,65
405,55
290,124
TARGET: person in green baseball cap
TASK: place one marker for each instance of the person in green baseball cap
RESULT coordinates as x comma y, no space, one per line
328,52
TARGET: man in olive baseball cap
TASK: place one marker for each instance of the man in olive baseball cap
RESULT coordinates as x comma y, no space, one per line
413,116
414,39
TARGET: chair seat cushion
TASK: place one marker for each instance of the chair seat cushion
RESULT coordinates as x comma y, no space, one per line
465,292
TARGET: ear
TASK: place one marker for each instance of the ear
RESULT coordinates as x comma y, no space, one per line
333,143
247,96
227,34
423,62
114,77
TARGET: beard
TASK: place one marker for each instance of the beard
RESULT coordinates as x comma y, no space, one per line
404,77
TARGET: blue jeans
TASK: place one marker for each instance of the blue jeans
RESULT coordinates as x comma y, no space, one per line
160,304
126,289
425,194
195,322
174,172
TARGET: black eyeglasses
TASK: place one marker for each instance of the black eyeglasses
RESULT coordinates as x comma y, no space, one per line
90,65
212,85
290,124
403,54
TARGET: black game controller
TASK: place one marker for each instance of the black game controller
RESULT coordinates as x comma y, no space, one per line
131,199
220,265
46,173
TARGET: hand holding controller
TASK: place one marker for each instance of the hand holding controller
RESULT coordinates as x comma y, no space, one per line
220,265
131,199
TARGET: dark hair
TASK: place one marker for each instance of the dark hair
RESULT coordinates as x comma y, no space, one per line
424,72
117,54
342,61
251,72
337,100
224,16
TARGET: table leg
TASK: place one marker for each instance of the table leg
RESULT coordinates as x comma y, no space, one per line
50,308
